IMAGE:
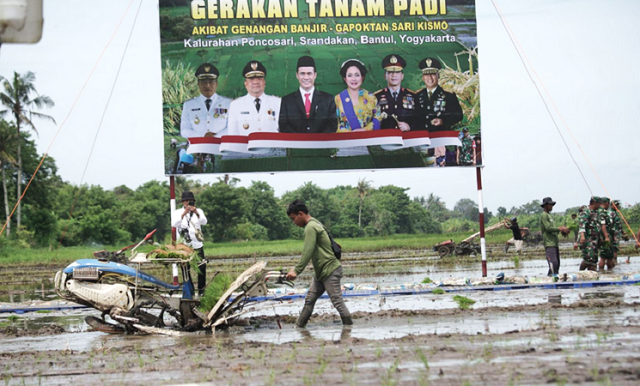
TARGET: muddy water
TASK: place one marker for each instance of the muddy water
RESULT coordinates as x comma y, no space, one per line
438,272
437,315
533,336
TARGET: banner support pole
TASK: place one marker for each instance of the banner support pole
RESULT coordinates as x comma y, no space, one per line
172,196
483,246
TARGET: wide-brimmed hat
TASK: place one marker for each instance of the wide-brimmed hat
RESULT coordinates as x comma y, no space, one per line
547,200
187,196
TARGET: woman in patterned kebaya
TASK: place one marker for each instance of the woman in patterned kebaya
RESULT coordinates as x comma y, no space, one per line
356,107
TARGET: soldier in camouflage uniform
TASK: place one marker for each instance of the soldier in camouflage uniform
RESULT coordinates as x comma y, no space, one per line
618,233
466,154
607,250
589,236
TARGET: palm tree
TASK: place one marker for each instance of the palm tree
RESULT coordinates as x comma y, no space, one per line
363,188
16,98
7,142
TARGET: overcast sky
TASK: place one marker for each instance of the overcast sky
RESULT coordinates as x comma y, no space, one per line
584,51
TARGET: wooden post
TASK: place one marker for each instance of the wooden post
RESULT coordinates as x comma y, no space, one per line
172,196
483,246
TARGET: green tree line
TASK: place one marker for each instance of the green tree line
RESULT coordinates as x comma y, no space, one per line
54,212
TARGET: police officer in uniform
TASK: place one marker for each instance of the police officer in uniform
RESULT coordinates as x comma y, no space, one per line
206,114
397,102
256,111
438,110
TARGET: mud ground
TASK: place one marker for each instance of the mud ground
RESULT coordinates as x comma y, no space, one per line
506,338
592,341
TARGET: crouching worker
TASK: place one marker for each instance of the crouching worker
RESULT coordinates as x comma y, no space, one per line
326,267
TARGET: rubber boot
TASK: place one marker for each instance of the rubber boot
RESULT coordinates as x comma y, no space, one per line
346,320
304,317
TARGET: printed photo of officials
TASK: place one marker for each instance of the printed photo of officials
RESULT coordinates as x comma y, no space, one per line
309,110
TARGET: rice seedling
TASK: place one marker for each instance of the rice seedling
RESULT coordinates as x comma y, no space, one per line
423,358
218,286
463,302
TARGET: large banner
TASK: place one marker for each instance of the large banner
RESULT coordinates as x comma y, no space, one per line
290,85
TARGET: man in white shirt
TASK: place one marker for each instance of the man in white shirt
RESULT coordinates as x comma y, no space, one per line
206,114
256,111
188,221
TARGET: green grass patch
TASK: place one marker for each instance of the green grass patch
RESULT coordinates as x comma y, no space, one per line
463,302
218,286
437,291
427,280
43,312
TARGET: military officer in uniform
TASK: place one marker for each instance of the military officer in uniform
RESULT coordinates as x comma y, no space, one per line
397,102
256,111
307,110
206,114
438,110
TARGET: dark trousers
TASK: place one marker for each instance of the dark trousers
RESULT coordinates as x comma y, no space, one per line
317,288
202,275
553,258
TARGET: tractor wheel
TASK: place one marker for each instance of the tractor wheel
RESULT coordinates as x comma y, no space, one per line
443,251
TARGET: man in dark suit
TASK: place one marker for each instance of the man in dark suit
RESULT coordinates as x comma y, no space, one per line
438,110
397,102
308,110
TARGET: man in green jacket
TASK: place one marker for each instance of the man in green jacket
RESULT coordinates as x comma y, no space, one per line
326,267
550,236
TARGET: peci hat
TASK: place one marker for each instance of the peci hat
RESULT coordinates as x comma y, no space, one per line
393,63
306,61
430,66
547,200
187,196
207,71
254,69
514,218
351,63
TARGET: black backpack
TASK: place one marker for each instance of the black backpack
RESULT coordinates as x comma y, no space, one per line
335,247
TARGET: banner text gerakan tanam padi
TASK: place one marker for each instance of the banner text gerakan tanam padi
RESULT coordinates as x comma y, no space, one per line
269,9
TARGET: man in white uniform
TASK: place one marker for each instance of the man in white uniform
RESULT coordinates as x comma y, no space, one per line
188,221
206,114
256,111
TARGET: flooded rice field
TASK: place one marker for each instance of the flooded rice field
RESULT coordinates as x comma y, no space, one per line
529,336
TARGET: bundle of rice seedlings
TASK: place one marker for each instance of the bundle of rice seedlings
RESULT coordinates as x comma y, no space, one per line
218,286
